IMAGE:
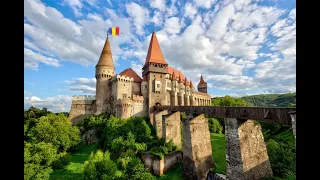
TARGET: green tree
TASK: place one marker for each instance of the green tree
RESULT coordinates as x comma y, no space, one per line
228,101
214,126
57,130
100,166
38,159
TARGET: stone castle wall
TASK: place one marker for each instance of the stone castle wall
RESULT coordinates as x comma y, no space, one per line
81,106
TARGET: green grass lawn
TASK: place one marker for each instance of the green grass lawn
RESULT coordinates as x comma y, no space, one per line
218,143
174,173
74,169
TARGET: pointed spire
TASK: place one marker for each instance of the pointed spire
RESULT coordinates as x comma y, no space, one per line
154,52
106,55
186,82
180,81
174,78
202,81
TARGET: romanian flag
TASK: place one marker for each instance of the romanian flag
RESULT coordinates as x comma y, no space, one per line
115,31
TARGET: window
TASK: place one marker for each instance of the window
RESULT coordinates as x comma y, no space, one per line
154,76
160,76
124,84
145,86
158,85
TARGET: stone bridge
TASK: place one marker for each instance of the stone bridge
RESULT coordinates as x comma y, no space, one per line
246,153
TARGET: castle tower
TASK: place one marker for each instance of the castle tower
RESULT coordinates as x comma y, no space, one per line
191,97
202,86
174,90
104,72
155,70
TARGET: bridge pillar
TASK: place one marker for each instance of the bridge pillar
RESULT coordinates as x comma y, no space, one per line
246,152
159,123
197,151
172,128
293,123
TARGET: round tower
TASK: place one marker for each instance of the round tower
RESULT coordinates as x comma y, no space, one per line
104,72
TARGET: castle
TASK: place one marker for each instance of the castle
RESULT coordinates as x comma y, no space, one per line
126,94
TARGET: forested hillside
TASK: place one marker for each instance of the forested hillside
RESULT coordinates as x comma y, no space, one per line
272,100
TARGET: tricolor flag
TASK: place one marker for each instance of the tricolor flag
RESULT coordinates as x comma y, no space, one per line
115,31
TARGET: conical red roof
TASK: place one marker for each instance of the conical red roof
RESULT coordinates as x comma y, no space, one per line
154,52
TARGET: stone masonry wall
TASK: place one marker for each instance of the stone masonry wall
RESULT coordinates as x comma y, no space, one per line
81,108
247,156
172,128
159,167
159,123
197,150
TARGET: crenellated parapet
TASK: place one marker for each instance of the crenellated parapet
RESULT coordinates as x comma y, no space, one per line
124,102
120,78
137,98
84,97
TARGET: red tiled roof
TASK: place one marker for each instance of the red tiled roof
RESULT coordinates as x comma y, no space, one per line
144,78
154,51
176,72
130,73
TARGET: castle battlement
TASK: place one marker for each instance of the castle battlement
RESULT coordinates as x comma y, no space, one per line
83,97
137,98
124,102
121,78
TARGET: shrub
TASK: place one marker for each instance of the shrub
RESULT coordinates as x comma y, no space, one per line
100,166
214,126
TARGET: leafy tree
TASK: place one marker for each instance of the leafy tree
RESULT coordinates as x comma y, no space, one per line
214,126
38,159
228,101
57,130
100,166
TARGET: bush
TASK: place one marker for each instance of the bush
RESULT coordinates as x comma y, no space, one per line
100,166
214,126
159,151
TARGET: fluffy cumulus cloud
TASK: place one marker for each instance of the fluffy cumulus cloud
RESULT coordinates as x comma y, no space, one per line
239,45
59,103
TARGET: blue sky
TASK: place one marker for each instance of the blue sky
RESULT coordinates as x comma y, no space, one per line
241,47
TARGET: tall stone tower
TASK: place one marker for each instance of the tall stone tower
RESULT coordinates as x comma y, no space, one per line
155,70
202,86
104,72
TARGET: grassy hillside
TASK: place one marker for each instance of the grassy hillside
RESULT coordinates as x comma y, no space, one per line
272,100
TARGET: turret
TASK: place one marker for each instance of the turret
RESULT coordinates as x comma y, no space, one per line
104,72
202,86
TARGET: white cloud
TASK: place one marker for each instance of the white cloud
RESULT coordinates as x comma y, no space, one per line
157,18
204,3
82,85
172,25
58,103
158,4
139,16
32,60
76,6
189,10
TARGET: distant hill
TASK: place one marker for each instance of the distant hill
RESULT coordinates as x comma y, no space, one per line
272,100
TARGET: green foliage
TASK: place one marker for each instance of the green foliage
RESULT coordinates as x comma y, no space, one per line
162,148
272,100
183,115
38,159
228,101
281,149
214,126
100,166
57,130
62,160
